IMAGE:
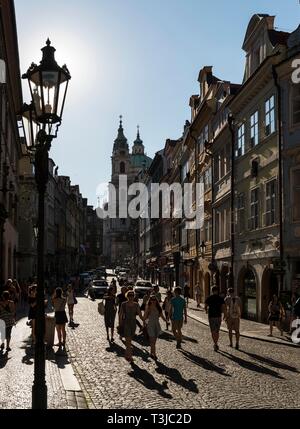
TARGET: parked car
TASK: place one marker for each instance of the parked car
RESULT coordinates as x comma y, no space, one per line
85,278
97,288
142,287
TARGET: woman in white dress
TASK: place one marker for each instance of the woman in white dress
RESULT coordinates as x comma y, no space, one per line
71,300
152,314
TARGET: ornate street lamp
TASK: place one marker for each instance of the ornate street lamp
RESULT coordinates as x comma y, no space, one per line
48,83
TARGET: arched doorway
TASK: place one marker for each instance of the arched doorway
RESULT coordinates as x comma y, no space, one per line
206,285
268,289
247,288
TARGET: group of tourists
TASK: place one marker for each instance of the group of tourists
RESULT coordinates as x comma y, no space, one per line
10,298
173,310
146,317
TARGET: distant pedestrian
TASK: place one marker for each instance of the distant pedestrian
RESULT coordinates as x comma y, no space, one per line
233,310
146,298
127,322
113,284
110,312
276,314
71,301
186,293
216,306
167,308
178,311
121,297
32,301
7,314
157,293
152,314
198,294
59,304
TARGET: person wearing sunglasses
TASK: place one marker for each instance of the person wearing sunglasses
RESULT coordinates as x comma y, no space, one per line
127,322
152,314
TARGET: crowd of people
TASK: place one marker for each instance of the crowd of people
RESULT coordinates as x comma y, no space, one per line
173,310
126,308
14,297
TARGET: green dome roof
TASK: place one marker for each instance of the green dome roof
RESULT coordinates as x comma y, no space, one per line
140,160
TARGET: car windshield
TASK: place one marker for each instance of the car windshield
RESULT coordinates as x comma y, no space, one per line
144,284
100,284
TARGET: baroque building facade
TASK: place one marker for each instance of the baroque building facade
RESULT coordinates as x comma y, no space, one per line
118,232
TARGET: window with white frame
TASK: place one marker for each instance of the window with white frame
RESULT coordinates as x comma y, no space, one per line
270,202
270,115
295,105
296,194
254,129
254,209
241,141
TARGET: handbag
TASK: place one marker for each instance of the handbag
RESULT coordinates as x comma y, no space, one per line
101,308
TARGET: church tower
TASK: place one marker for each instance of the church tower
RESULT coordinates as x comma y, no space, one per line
120,156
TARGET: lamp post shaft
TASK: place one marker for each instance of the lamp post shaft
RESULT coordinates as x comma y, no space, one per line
39,388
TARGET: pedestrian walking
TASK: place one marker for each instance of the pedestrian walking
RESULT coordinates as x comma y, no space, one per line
127,322
7,314
167,308
146,298
186,292
157,293
71,301
32,301
178,312
215,306
233,310
276,315
121,297
198,294
152,314
110,311
59,304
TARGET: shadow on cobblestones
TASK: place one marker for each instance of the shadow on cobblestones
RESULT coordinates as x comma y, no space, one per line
204,363
271,362
175,376
189,339
148,381
251,366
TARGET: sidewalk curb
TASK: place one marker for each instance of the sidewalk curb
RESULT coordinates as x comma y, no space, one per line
266,340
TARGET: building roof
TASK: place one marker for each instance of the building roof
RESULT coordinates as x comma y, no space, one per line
140,160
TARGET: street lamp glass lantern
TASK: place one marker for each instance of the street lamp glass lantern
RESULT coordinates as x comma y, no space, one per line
48,84
30,125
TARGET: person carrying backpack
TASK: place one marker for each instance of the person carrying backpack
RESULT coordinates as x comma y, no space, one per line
233,316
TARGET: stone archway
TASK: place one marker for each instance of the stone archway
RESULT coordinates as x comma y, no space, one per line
269,287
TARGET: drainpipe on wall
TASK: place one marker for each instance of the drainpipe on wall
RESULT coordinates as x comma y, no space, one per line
232,131
279,127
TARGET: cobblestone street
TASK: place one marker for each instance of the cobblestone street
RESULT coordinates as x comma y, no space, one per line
260,375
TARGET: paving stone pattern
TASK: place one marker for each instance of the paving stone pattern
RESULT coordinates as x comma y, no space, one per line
259,375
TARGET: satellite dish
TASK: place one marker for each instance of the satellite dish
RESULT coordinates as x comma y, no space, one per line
2,71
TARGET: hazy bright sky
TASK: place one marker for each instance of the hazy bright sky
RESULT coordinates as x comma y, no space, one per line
138,58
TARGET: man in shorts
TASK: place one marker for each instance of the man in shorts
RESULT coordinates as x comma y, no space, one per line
216,306
233,309
178,309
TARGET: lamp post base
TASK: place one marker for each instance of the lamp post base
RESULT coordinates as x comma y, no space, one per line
39,396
